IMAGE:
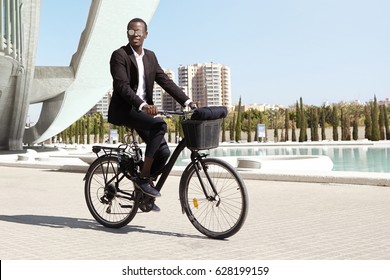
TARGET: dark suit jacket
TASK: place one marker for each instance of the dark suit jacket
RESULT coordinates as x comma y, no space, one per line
124,71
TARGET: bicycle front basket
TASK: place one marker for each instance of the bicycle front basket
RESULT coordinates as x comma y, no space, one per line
200,134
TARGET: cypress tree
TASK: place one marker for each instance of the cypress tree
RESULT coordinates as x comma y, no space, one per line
335,123
355,129
180,127
82,130
347,127
256,137
342,124
286,124
249,137
276,135
298,115
122,133
169,135
238,122
224,130
232,127
367,122
176,130
322,123
77,132
382,122
88,129
375,136
95,128
101,128
293,133
315,123
302,123
386,123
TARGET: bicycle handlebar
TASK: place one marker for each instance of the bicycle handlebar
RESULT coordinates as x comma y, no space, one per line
170,113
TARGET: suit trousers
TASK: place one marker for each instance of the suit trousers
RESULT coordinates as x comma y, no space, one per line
152,131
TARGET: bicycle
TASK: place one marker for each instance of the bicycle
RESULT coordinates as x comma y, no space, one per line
212,193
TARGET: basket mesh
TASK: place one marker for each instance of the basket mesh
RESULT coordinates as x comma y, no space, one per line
201,135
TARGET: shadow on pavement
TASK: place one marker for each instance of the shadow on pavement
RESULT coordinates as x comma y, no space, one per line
68,222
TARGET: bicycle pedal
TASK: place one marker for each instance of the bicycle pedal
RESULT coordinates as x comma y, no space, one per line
126,206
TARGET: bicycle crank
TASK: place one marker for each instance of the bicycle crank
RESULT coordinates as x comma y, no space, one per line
146,204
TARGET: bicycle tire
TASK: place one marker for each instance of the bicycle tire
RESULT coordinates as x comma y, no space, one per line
215,220
112,204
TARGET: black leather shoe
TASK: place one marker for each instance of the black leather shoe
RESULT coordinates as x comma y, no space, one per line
155,208
148,205
145,186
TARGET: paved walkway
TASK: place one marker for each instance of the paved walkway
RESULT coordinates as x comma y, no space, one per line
43,216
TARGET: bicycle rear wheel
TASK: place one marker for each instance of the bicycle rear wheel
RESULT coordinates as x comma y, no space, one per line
110,196
218,215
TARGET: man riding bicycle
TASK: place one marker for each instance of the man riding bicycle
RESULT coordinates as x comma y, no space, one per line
134,71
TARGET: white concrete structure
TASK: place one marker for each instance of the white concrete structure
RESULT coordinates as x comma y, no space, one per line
66,92
285,163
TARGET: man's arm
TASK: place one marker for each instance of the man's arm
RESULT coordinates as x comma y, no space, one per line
121,79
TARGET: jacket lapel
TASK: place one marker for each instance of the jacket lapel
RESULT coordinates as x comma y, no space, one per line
146,72
130,54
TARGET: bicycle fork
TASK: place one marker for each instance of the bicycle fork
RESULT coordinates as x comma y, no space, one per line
196,159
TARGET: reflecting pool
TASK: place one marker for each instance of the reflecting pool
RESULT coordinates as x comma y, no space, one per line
360,158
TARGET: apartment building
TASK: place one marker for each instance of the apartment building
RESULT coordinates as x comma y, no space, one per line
209,84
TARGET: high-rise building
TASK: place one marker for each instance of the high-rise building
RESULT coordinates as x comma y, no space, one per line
209,84
161,98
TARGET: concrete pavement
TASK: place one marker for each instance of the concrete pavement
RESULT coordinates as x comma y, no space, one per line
43,215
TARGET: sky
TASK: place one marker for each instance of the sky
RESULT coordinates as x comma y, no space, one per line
278,51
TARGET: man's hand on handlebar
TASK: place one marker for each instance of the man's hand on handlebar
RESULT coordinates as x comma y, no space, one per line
193,105
150,109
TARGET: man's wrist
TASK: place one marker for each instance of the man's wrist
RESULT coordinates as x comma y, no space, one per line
187,102
142,106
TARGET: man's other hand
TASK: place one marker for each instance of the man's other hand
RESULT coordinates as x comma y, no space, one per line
193,105
150,109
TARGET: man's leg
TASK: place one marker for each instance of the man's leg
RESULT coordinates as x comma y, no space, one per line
152,131
160,157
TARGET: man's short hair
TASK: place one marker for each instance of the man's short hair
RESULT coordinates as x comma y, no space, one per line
138,20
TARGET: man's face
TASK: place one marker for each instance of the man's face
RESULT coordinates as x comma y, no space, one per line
136,34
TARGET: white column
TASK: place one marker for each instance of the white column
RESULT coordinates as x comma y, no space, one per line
2,20
7,27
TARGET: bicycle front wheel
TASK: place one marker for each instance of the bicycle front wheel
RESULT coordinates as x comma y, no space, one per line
110,196
217,215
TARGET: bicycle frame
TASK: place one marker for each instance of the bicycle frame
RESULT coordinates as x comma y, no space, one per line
194,161
169,165
167,168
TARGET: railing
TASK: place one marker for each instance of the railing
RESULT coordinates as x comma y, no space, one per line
11,28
